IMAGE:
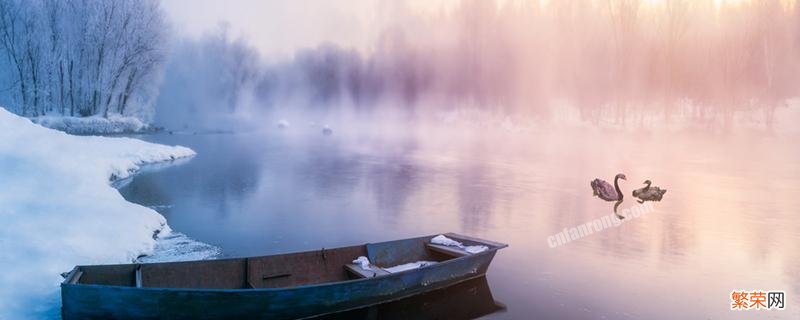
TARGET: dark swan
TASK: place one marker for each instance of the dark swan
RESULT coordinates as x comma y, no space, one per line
649,193
605,191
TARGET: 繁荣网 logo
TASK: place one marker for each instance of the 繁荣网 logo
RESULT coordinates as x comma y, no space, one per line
757,300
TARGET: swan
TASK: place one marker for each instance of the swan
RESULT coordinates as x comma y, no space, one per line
649,193
605,191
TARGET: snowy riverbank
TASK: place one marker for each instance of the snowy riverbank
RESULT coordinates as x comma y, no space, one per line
93,125
58,209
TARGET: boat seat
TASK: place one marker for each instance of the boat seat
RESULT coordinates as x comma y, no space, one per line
361,273
450,251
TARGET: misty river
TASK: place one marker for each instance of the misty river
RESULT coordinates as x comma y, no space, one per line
729,220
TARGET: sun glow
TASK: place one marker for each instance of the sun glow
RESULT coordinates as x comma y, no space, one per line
653,3
732,3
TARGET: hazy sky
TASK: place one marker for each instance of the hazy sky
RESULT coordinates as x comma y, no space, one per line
279,27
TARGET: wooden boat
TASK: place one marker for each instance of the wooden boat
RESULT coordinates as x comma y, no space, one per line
470,299
284,286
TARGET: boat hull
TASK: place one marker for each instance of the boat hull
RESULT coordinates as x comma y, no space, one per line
81,301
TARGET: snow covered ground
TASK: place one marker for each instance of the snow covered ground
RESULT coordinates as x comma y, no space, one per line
93,125
58,209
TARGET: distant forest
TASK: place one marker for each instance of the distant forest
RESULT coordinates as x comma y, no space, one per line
101,57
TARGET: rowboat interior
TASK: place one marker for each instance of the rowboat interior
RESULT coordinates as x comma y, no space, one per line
276,271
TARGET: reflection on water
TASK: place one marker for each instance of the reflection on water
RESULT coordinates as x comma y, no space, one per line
467,300
729,220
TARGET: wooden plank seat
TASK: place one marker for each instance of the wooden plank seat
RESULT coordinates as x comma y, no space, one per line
450,251
139,276
361,273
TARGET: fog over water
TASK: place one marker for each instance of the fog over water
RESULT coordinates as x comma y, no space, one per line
490,119
611,61
727,222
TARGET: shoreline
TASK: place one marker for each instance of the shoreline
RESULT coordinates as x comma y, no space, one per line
61,208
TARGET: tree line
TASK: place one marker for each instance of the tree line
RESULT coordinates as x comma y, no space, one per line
80,58
95,57
607,58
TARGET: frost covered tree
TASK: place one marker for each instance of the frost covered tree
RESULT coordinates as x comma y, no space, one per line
80,58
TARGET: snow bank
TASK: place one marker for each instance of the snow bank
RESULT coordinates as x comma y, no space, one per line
92,125
59,210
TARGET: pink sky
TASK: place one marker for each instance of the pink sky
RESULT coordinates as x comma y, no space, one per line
281,27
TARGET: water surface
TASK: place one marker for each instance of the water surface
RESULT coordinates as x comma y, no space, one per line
729,220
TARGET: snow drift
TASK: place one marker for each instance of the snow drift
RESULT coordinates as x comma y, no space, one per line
58,209
92,125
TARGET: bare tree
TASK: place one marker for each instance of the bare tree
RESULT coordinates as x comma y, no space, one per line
85,57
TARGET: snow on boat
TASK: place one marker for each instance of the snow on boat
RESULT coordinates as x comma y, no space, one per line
283,286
